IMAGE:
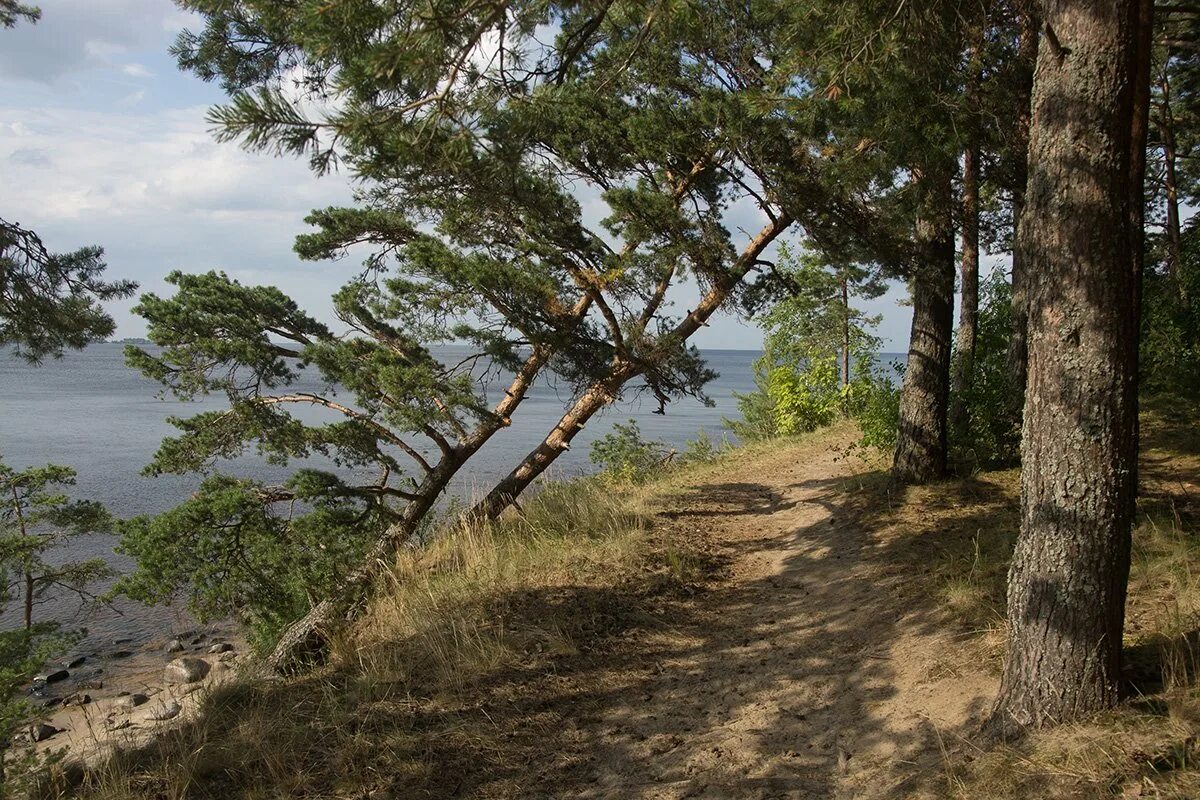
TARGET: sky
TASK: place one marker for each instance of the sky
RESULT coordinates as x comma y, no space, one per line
104,141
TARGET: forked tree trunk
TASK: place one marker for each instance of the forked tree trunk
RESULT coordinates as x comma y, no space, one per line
921,439
605,390
968,316
1018,347
1067,581
306,641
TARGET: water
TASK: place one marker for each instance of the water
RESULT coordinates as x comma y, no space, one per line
88,410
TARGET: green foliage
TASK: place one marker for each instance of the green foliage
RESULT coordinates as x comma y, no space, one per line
11,12
809,309
993,436
239,557
875,404
1170,340
807,398
37,518
623,456
50,301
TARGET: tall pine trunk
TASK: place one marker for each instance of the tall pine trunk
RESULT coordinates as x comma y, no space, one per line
921,439
1166,135
1081,240
845,331
968,316
1018,349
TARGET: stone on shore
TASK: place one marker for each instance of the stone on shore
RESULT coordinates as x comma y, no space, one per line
168,711
42,731
186,670
222,647
174,646
53,677
130,701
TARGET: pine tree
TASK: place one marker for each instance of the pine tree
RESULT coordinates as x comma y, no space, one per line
36,518
1081,237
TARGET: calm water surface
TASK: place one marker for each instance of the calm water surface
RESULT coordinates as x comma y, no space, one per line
89,411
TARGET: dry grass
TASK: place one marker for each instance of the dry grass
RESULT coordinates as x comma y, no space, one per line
410,698
452,684
1148,747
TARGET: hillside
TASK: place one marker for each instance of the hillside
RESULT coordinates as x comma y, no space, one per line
777,623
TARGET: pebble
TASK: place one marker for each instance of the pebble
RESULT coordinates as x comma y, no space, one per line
168,711
186,670
42,731
53,677
130,701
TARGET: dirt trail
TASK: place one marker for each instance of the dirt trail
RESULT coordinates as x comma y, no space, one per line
815,668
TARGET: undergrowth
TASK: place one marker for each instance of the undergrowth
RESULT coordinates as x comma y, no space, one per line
477,608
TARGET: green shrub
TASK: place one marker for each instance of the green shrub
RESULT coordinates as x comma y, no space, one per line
625,457
993,435
805,399
875,404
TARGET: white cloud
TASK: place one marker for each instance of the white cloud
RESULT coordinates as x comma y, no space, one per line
132,99
137,71
79,34
159,194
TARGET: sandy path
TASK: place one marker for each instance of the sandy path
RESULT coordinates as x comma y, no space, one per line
813,670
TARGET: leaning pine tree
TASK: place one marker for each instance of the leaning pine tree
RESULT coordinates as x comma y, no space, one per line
668,117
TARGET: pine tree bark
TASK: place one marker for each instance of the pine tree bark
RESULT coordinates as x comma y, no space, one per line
921,444
1067,581
968,315
605,390
1018,348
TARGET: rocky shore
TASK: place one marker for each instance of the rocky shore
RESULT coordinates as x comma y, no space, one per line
121,696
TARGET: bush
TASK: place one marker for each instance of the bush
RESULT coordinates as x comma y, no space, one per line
1170,341
993,435
625,457
875,404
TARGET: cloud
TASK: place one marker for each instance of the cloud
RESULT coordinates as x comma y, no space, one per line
136,71
158,194
80,34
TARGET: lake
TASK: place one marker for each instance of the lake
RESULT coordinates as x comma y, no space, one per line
88,410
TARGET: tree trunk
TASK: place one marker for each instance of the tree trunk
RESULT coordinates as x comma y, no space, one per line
1018,346
306,641
28,600
603,391
921,439
1166,133
968,317
845,331
1067,581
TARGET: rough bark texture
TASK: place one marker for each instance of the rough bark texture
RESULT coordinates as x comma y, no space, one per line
921,439
1018,349
968,315
1069,572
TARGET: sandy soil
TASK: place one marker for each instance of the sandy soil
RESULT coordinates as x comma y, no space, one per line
91,709
817,667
